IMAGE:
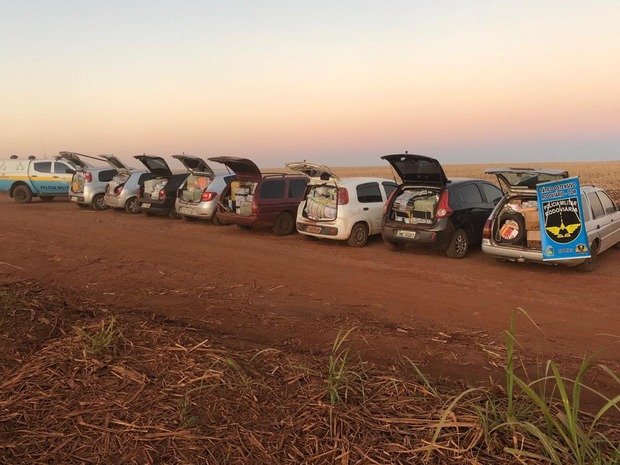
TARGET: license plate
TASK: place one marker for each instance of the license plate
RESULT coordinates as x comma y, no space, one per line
73,199
185,210
146,205
313,229
407,234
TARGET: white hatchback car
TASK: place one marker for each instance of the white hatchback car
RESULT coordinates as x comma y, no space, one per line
347,209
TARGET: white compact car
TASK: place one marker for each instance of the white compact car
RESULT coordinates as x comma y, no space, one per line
347,209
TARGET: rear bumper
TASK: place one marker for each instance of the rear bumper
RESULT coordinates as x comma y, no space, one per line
522,254
329,230
438,237
115,201
154,207
204,210
234,218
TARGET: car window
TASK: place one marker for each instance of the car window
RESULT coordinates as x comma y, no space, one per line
369,193
296,188
389,188
144,177
42,166
272,189
61,168
491,192
586,212
106,175
607,203
597,206
469,193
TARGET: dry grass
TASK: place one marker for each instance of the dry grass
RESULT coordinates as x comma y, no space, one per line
161,394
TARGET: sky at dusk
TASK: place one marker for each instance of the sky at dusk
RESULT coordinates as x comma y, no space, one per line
336,82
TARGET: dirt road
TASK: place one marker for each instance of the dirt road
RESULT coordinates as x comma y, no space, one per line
255,288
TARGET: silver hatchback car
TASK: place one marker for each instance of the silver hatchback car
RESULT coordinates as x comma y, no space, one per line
198,196
121,191
512,232
88,183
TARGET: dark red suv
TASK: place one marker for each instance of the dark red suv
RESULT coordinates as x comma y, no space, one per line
258,199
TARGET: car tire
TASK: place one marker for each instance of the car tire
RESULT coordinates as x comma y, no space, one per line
358,236
99,202
132,206
459,244
284,225
589,265
519,220
47,198
394,246
22,194
216,221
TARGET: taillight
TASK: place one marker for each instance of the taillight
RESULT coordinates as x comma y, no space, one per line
389,202
255,205
208,196
162,194
88,177
486,231
119,189
343,196
443,209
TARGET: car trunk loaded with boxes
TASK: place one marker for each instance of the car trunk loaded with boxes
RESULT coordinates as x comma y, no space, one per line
258,199
517,222
157,196
199,177
116,195
322,195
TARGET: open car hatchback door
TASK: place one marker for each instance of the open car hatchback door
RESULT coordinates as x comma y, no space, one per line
313,171
417,169
117,164
524,179
245,169
195,165
156,165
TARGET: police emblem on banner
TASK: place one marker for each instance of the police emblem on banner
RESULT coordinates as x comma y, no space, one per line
563,233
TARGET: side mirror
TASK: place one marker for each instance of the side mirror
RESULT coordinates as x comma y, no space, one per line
69,171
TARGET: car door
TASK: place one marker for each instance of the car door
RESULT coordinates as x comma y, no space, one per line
371,201
474,209
41,177
61,175
606,219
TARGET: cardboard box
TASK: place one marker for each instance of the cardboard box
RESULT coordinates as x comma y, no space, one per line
532,244
532,220
533,236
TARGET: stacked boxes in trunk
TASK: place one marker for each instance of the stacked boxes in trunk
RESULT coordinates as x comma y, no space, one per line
532,227
415,206
153,186
321,203
241,197
194,187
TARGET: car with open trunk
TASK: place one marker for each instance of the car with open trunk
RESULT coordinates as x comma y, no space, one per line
258,199
428,208
346,209
157,195
512,231
120,193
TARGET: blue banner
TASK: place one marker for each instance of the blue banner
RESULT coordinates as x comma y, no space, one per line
562,229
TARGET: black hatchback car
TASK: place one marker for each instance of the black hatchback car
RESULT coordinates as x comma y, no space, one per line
429,208
157,195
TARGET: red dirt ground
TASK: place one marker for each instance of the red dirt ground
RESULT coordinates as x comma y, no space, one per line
257,289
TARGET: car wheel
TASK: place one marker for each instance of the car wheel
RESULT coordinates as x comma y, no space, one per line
22,194
590,263
358,236
216,221
132,205
47,198
99,202
458,245
394,246
284,225
245,227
